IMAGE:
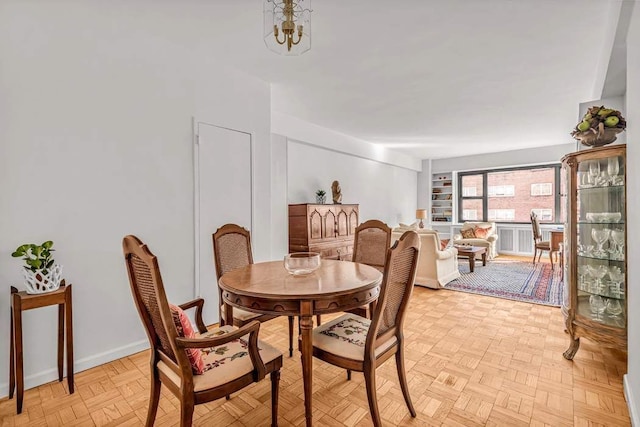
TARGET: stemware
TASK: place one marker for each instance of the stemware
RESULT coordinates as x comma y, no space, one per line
598,273
617,277
613,169
614,308
594,171
597,306
618,238
600,236
583,272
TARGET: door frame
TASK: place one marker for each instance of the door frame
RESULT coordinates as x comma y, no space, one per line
196,191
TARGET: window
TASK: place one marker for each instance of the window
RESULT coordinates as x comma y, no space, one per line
469,191
469,214
510,194
502,214
501,191
543,214
545,189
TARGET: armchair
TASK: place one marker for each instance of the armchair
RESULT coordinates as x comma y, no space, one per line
436,267
487,239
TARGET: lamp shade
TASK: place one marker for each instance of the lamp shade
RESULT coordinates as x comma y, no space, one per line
421,213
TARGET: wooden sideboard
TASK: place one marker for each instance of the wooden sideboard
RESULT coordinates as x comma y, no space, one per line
327,229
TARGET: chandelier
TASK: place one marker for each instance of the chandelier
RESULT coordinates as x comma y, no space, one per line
287,26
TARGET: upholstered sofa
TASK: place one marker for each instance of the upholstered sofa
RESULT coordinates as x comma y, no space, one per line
487,237
436,267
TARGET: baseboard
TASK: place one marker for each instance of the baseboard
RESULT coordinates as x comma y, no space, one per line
631,402
80,365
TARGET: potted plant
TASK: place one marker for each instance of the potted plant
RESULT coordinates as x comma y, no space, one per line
41,273
321,197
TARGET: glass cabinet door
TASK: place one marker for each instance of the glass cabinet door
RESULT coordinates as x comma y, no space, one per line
601,227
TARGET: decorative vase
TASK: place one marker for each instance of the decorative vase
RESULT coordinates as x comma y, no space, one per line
593,138
39,283
321,199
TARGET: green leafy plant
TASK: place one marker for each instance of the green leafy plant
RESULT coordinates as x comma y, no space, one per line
320,193
37,257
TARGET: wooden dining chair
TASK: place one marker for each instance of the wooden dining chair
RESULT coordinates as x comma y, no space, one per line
539,244
371,241
355,343
196,368
231,250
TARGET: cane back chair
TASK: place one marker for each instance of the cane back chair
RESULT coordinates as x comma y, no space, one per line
170,364
355,343
539,244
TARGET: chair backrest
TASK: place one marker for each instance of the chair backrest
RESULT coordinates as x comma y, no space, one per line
231,248
150,298
397,286
535,225
371,242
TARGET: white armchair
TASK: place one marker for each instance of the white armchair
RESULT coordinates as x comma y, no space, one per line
436,267
488,241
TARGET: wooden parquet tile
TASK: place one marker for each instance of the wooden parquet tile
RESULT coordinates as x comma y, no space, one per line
471,361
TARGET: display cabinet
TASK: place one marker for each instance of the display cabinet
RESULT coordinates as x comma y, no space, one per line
595,293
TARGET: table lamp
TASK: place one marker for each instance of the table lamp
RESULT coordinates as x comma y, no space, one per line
421,214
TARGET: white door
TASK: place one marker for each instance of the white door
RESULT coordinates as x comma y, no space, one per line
223,195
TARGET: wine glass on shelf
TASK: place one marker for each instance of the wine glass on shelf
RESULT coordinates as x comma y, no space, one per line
594,171
600,236
583,272
618,238
613,169
617,277
597,304
613,307
598,273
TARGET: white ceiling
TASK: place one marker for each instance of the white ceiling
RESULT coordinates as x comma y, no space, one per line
430,78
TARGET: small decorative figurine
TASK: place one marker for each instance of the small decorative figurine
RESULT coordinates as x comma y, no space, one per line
337,193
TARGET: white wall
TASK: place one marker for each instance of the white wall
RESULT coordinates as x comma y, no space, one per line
384,192
632,379
96,143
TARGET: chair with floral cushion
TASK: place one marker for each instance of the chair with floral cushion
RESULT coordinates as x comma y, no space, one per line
355,343
196,367
371,241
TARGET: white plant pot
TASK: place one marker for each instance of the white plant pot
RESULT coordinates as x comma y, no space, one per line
39,283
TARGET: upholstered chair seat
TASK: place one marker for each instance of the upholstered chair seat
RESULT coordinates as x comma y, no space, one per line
223,363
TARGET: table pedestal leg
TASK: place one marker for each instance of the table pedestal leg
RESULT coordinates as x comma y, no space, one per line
472,262
306,327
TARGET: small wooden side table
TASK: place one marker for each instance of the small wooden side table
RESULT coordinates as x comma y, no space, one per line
21,301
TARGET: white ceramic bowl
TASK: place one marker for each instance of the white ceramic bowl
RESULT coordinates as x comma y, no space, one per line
300,263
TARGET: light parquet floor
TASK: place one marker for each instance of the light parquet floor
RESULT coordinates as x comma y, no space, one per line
471,361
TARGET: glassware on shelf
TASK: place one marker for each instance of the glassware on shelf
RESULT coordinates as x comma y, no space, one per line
583,273
597,304
617,278
594,171
613,169
618,237
598,273
613,307
600,236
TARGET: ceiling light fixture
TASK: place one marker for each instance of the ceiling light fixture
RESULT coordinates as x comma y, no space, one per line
287,26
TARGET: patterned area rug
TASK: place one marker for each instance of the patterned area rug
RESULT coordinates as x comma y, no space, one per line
510,279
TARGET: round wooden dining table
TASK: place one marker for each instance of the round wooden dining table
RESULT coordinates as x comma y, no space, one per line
268,288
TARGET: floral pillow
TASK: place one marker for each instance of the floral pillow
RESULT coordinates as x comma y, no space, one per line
443,244
468,233
481,232
185,329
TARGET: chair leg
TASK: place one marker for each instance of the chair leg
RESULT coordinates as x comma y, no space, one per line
403,379
535,254
290,336
154,398
370,382
186,412
275,383
348,374
319,320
